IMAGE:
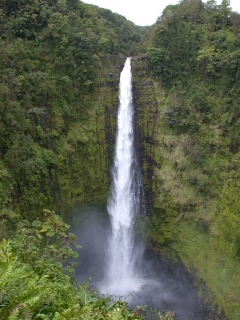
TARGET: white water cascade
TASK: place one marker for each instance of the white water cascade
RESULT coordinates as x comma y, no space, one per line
124,203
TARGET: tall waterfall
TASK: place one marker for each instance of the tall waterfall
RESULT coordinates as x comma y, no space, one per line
125,202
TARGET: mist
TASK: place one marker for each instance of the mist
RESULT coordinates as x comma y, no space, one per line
164,285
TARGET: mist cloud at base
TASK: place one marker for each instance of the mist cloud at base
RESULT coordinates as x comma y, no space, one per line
164,286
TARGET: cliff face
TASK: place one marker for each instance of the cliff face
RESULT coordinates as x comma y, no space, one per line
57,82
190,216
58,109
190,191
84,173
145,124
87,177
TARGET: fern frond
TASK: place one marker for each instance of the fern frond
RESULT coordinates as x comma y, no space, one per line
28,289
32,302
15,313
57,316
26,314
6,274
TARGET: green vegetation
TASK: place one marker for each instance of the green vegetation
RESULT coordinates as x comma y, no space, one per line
58,80
194,59
35,284
52,55
59,70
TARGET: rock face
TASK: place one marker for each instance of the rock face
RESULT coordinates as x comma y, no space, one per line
145,123
145,106
90,178
108,95
185,219
84,172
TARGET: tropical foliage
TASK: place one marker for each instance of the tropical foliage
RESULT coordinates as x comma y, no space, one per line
50,55
55,86
194,59
35,284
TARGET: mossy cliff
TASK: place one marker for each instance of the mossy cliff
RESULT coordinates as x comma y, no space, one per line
192,189
58,80
195,211
145,123
84,172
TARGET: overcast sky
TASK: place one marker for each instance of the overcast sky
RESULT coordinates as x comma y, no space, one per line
144,12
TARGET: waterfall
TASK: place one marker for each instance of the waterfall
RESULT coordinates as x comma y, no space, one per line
124,203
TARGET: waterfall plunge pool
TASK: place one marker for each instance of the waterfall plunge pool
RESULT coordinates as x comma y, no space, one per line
165,286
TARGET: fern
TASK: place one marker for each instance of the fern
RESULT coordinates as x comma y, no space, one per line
26,313
6,274
15,313
26,294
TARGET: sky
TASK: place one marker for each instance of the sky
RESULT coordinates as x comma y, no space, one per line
144,12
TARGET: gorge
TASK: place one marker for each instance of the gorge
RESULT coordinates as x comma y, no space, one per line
60,68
